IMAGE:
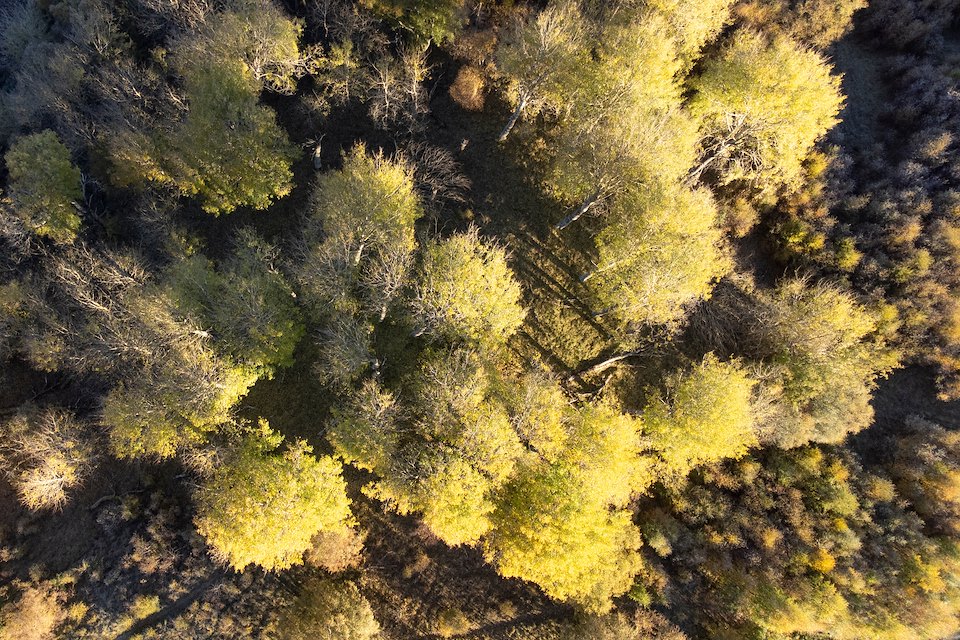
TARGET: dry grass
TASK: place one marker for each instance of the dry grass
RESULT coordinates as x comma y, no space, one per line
469,88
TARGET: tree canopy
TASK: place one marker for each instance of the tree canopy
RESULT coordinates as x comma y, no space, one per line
44,190
262,506
763,103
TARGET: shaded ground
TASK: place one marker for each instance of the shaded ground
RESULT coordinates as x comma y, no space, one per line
867,94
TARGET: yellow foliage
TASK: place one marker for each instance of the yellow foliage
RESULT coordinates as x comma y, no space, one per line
661,253
763,104
44,186
263,507
705,415
467,291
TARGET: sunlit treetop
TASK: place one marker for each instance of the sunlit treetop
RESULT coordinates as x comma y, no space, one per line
425,20
370,201
662,252
827,350
466,291
44,185
229,150
544,59
262,505
693,23
246,304
705,415
763,104
626,125
257,33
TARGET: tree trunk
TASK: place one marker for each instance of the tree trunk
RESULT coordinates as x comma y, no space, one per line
512,121
582,209
358,254
609,362
383,313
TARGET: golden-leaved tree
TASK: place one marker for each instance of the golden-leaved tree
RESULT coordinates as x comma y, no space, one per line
661,252
466,290
763,103
262,505
561,520
542,60
705,415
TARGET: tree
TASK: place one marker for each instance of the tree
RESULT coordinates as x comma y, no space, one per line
328,610
825,355
357,249
47,454
803,542
626,126
466,291
559,521
816,22
692,23
175,404
370,203
661,253
461,447
548,529
644,624
229,149
262,506
704,416
927,473
425,20
364,429
346,350
763,104
541,59
395,91
44,186
246,304
262,36
442,484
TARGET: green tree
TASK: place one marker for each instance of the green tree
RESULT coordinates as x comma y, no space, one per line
328,610
262,36
705,415
358,246
364,430
466,291
262,506
763,104
926,470
370,203
175,404
44,186
464,447
804,542
425,20
439,482
229,150
661,253
816,22
246,304
542,59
